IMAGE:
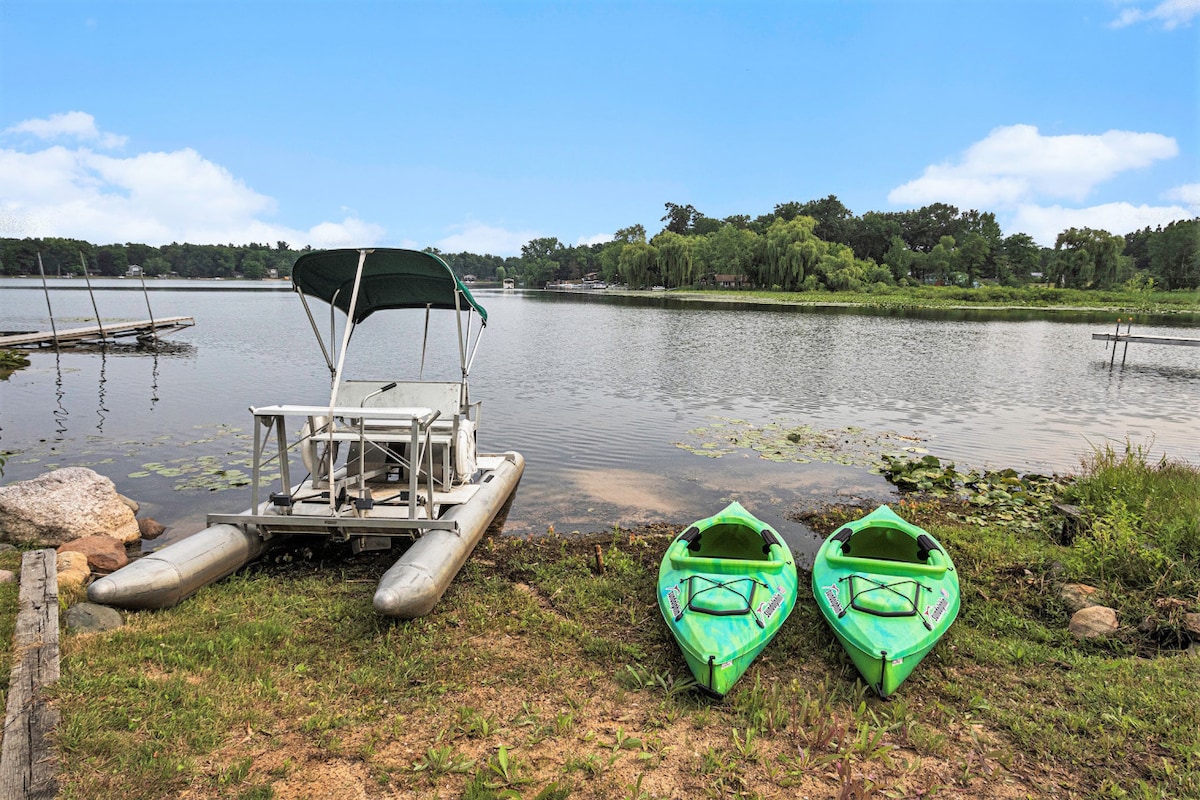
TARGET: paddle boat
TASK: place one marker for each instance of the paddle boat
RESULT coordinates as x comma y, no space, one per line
725,586
889,591
386,460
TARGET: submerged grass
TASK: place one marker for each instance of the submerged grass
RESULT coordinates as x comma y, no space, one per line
539,675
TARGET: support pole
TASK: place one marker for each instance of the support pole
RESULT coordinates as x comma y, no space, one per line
88,278
49,310
153,327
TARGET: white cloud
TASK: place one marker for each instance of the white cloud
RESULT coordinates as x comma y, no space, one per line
1172,14
1188,194
71,125
1045,223
154,198
1015,164
476,237
1015,170
599,238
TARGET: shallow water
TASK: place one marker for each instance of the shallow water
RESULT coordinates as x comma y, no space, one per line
599,394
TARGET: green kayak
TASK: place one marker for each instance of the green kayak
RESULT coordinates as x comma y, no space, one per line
725,586
889,591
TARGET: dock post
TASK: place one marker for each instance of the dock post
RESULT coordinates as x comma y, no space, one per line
153,327
88,278
46,290
1116,336
1125,352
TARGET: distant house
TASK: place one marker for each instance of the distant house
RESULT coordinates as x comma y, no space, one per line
134,271
729,281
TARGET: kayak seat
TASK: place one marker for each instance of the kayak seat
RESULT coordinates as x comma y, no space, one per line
879,598
720,598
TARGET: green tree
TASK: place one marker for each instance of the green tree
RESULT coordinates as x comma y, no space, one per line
1175,255
676,258
638,264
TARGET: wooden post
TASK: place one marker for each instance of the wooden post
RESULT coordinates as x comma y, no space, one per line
27,765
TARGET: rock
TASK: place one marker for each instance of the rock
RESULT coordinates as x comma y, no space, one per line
1191,624
1076,596
7,576
5,547
104,553
91,618
149,528
62,505
73,570
1093,621
134,506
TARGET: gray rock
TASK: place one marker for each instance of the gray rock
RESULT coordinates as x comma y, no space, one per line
62,505
91,618
1093,621
1076,596
1191,624
5,547
134,506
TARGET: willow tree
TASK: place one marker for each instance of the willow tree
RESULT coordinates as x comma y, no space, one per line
638,263
792,249
676,258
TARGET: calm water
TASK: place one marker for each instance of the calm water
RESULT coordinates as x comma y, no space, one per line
598,394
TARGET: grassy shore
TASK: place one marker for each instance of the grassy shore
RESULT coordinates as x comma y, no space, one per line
1183,304
540,675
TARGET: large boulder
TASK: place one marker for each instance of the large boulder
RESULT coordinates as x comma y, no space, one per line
62,505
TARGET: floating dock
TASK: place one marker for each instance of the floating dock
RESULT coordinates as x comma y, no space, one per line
143,330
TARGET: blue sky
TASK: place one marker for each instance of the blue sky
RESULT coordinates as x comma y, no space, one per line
479,126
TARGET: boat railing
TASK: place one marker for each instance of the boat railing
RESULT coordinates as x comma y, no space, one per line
366,431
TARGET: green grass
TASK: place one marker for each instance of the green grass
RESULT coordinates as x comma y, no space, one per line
539,676
1183,303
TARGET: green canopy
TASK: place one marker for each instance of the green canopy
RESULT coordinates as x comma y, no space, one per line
391,278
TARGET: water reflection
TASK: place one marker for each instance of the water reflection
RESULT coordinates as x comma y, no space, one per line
60,411
100,409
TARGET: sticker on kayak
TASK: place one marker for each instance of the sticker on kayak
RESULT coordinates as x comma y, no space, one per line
727,665
938,609
767,609
897,662
835,602
673,602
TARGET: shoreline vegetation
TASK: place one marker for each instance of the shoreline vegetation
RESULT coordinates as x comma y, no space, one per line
546,672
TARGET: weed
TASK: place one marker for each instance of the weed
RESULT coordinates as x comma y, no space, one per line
443,760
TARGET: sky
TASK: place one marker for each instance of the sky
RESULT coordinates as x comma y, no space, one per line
480,126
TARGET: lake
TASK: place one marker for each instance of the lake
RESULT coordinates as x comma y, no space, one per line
627,409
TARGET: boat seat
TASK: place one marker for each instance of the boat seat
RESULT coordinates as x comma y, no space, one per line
452,431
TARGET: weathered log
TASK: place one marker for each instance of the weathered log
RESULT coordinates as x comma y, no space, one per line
28,768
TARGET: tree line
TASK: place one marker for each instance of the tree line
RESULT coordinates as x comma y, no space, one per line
816,245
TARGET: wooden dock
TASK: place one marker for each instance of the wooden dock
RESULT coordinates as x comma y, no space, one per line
1138,338
143,330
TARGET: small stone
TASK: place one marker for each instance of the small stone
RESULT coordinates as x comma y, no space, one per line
1191,624
104,553
150,528
1093,621
91,618
7,576
1076,596
5,547
73,570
